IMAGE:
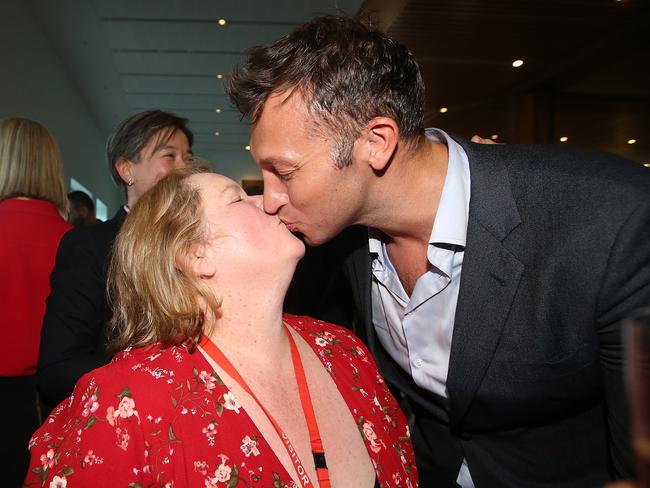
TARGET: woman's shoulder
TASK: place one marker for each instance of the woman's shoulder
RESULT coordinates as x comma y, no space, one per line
145,371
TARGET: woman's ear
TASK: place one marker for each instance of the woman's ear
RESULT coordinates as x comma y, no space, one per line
199,262
123,168
378,142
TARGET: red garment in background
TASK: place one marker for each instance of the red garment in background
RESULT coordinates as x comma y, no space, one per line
162,417
30,232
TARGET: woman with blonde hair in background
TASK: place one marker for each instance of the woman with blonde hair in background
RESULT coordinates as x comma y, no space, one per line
32,206
215,386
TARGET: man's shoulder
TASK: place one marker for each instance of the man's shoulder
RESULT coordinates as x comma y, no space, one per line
552,167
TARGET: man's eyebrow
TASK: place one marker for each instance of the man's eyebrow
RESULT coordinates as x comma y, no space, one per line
275,161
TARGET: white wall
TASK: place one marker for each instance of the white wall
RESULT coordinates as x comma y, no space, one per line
35,84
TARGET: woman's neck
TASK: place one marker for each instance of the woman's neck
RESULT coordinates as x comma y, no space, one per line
251,334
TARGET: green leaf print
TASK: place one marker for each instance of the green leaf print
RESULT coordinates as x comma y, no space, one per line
170,433
218,378
126,392
91,422
68,471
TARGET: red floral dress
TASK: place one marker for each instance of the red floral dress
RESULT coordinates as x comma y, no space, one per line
159,417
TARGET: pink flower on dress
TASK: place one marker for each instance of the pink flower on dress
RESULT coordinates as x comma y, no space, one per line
210,429
368,431
208,380
369,434
201,467
59,482
47,459
90,406
122,439
230,402
89,459
111,415
249,446
320,342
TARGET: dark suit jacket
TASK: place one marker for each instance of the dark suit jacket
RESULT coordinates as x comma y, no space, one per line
73,338
558,253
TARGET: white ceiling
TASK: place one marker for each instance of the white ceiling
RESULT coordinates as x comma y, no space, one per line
131,55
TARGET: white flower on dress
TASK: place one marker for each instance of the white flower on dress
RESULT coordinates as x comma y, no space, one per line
320,342
222,473
59,482
230,402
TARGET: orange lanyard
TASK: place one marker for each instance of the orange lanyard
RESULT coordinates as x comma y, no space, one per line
307,407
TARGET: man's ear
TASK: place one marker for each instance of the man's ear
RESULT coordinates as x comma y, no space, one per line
123,168
199,262
378,142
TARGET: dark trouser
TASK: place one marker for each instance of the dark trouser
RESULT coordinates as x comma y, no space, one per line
18,421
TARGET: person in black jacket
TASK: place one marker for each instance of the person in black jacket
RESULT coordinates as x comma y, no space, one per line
143,149
489,281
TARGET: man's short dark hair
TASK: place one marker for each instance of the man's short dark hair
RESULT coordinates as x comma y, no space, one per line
79,199
347,71
134,133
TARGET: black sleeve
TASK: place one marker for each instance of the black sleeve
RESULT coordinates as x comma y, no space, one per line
626,288
73,337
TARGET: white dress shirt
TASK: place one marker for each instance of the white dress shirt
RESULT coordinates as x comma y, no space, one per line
416,331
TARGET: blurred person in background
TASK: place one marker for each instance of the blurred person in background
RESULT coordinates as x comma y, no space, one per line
32,209
143,149
82,209
215,386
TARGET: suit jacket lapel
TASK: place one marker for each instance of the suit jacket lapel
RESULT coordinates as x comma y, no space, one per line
489,278
358,270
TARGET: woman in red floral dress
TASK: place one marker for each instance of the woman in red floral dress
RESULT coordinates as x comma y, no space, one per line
214,386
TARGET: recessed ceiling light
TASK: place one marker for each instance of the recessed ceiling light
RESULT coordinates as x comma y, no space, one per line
564,139
631,141
494,137
219,76
248,148
517,63
221,21
444,110
218,110
216,133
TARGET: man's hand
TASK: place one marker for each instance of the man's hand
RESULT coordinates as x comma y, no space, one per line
480,140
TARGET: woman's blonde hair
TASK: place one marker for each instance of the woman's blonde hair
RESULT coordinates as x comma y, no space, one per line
154,295
30,163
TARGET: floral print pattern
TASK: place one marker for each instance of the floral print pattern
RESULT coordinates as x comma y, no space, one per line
159,417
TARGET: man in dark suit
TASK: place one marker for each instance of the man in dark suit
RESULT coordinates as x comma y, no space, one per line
143,149
489,281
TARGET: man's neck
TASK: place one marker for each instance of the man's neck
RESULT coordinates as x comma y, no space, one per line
408,194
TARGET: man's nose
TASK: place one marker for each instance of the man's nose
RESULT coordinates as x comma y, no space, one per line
275,196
